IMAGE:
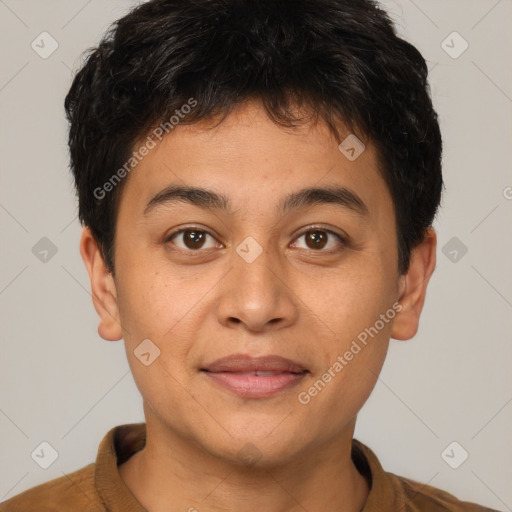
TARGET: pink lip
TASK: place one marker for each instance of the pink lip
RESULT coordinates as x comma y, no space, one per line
246,363
240,374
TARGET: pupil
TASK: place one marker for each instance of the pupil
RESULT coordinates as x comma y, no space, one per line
317,238
194,239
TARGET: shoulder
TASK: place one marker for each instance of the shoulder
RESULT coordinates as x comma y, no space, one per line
425,498
67,493
390,492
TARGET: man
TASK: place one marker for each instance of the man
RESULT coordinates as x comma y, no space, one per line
257,182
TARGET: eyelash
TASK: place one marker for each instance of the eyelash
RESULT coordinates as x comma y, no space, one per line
343,242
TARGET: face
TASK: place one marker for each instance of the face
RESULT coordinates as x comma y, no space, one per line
288,250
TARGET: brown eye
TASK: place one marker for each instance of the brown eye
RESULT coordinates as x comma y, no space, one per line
316,239
321,240
193,239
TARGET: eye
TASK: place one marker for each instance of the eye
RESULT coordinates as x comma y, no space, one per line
317,239
193,239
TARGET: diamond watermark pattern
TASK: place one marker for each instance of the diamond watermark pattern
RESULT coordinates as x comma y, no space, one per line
351,147
249,249
249,454
146,352
454,45
44,250
44,45
454,455
454,250
44,455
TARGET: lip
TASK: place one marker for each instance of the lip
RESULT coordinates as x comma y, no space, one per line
255,377
246,363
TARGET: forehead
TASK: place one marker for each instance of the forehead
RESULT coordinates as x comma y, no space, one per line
253,161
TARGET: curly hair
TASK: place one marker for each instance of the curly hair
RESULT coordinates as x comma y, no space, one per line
337,60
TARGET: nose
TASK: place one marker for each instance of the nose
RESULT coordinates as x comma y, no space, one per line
257,296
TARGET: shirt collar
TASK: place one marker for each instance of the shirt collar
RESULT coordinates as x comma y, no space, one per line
121,442
116,447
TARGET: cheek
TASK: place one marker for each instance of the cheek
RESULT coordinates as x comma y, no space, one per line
154,306
350,299
355,313
335,397
352,361
171,311
155,303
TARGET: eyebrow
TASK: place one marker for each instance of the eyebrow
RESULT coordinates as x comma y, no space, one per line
306,197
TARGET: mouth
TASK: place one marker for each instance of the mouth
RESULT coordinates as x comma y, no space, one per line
255,377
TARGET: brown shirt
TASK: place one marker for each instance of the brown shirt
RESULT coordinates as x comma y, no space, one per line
98,487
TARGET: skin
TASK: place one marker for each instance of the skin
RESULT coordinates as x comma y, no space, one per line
295,300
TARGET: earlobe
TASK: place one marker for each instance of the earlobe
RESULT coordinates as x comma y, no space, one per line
103,289
413,287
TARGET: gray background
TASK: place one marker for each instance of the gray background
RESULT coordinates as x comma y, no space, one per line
61,383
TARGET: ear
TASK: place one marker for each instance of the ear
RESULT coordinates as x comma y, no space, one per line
413,287
103,288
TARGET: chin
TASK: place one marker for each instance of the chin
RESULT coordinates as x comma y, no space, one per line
258,445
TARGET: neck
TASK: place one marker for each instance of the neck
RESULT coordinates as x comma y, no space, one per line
174,470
